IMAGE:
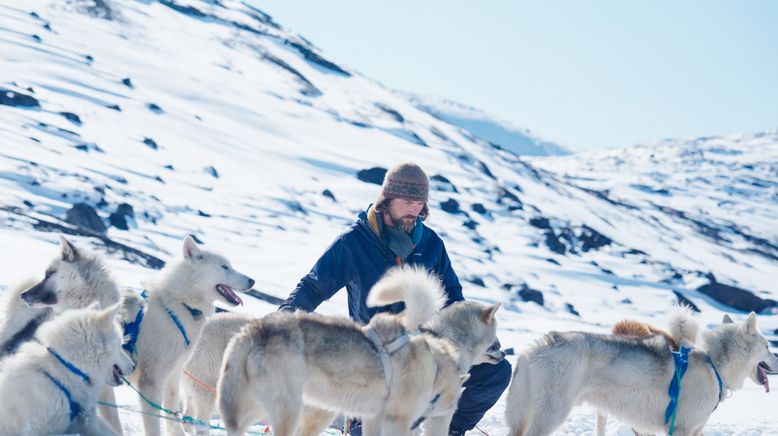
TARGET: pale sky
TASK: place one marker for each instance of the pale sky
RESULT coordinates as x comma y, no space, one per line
586,74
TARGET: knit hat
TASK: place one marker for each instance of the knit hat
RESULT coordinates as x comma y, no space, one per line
407,181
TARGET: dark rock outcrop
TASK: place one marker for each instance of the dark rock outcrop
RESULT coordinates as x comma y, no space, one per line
450,206
736,298
479,208
327,193
85,216
528,294
118,219
592,239
16,99
373,175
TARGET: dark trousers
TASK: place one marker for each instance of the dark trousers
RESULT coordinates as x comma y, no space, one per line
484,387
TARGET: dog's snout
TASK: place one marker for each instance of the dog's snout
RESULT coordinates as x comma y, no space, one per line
251,283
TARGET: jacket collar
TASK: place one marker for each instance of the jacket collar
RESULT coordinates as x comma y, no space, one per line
372,219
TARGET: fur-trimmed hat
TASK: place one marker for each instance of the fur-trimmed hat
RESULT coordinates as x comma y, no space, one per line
407,181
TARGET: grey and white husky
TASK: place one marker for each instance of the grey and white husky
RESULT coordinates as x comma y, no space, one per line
76,278
628,378
392,380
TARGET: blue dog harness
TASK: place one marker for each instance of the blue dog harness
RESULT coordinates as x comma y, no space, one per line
132,329
681,358
75,408
178,324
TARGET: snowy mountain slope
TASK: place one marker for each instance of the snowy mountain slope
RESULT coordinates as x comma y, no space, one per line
210,118
487,127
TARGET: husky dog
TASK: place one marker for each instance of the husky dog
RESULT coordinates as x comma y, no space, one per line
169,325
683,330
51,384
75,279
201,372
628,378
392,380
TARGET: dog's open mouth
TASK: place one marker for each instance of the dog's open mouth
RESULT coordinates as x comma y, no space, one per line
229,294
761,375
117,376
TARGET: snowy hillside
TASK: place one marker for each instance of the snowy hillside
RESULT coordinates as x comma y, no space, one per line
499,132
209,118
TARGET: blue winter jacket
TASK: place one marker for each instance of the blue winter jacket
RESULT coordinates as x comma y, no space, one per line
357,259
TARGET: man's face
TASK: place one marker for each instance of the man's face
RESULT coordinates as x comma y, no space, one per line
403,213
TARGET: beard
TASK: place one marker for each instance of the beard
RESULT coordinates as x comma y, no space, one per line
406,223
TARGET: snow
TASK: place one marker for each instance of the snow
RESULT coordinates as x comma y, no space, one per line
493,129
276,146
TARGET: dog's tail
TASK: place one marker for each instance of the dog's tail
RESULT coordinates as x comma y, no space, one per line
683,328
518,404
233,380
421,291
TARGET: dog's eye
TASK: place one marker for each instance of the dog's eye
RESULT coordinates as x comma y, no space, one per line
50,273
225,267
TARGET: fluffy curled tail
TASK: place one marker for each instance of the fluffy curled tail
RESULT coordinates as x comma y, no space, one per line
421,291
683,328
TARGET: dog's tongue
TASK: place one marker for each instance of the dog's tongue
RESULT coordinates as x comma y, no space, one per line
229,294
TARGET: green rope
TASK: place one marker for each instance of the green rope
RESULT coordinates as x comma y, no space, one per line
176,416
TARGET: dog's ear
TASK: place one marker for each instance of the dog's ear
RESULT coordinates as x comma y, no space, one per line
109,314
487,315
749,325
190,248
69,251
727,319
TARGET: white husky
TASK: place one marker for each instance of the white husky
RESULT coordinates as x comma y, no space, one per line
51,384
392,380
201,372
178,304
74,279
628,378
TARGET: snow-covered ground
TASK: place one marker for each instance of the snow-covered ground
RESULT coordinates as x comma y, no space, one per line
488,127
210,118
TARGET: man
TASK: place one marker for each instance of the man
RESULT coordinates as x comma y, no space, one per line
391,232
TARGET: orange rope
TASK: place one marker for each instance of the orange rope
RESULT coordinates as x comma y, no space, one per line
210,389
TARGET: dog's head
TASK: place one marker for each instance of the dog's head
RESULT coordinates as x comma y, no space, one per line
473,327
91,340
213,274
70,281
489,346
751,349
492,355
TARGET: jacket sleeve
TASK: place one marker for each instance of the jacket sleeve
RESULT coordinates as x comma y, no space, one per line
450,280
328,276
